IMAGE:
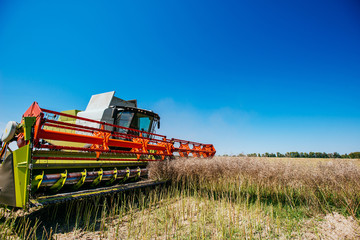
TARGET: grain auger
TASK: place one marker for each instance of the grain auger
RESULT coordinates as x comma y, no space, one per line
75,154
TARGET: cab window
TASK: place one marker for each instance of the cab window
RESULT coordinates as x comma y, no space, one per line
124,120
141,122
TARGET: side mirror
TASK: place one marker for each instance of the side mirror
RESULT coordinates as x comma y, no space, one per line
158,124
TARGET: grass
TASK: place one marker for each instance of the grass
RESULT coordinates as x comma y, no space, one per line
219,198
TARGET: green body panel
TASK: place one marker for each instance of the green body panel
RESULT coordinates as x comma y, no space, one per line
28,123
21,159
68,119
65,120
16,172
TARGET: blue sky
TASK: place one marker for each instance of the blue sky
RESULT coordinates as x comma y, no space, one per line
247,76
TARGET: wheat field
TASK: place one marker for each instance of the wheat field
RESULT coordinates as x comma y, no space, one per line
218,198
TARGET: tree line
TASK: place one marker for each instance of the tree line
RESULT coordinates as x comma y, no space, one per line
306,155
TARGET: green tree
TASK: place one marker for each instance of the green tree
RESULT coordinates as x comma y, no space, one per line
354,155
252,155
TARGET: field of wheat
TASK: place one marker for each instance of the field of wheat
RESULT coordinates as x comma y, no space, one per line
219,198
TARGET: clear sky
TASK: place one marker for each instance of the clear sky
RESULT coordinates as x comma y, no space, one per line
247,76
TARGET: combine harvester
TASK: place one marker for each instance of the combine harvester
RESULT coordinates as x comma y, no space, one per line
75,154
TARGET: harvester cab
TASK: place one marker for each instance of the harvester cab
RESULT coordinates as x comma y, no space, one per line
135,118
107,108
75,154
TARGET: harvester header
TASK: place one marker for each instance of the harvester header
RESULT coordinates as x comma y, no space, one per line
74,154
